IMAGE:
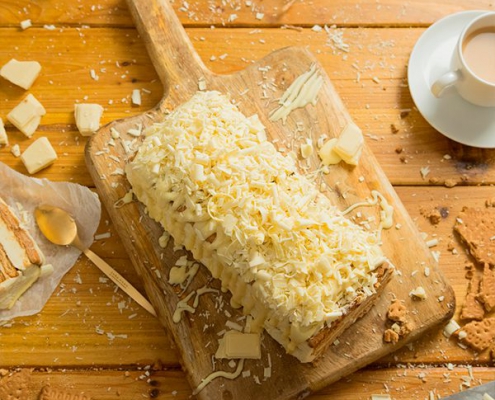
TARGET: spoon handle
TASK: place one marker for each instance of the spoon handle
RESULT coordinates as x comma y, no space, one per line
120,281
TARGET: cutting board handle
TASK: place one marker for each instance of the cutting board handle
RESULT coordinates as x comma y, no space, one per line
168,45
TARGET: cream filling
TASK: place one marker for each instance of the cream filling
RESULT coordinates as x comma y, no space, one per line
15,252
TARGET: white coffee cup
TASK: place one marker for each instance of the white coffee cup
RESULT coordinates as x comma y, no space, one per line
470,84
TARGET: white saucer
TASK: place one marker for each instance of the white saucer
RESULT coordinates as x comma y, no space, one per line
451,115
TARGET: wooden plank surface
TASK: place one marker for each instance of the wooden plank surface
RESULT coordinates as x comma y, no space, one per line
275,13
62,342
374,106
80,307
180,71
152,382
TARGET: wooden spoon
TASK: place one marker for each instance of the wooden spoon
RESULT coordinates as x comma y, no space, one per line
59,227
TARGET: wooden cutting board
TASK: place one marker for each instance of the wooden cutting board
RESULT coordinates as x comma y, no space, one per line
255,90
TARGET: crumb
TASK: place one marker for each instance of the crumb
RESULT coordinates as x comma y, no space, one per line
450,183
469,270
490,202
397,312
390,336
394,129
399,150
402,325
434,216
492,351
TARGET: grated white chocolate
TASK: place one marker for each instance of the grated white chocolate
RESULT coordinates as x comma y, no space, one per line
290,258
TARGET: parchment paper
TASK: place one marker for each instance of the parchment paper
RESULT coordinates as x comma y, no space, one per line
23,193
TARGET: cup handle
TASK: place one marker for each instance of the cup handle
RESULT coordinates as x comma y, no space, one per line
444,82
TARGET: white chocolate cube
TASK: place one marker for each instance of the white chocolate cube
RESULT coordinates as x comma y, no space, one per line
21,73
26,116
40,154
88,118
3,135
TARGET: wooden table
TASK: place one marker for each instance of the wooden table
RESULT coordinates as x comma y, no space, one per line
82,341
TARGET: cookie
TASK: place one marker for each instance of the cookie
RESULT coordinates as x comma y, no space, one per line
479,334
476,228
397,312
402,325
15,386
472,308
50,393
487,288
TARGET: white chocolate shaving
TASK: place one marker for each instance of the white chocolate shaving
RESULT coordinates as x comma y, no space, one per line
248,215
303,91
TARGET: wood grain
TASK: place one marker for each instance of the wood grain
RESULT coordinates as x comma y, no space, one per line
62,342
67,57
151,382
71,316
179,68
276,13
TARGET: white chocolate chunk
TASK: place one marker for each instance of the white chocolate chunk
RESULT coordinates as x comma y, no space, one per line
4,139
307,149
21,73
26,116
26,24
350,144
15,150
450,328
242,345
136,97
326,153
418,293
88,118
40,154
